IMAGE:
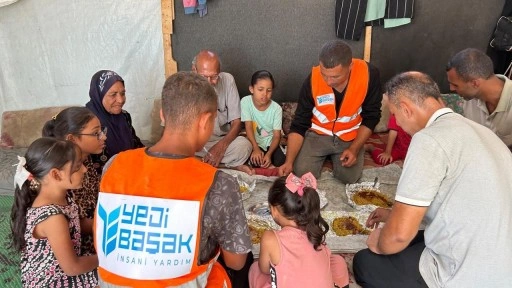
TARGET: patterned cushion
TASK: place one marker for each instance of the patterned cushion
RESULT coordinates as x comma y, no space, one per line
453,101
382,126
288,113
20,128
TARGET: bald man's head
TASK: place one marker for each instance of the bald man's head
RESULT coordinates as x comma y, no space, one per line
207,64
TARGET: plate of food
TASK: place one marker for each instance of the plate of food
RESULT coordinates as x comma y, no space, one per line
257,225
367,196
346,223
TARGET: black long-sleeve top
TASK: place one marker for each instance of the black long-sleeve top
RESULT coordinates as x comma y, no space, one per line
370,107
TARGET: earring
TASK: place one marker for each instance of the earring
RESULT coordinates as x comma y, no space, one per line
103,157
34,185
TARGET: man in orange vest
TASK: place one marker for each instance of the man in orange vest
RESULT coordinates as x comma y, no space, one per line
338,108
163,216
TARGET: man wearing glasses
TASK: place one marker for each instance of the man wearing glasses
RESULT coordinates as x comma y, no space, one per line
224,146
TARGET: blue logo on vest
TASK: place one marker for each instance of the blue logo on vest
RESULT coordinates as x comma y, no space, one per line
110,229
140,228
325,99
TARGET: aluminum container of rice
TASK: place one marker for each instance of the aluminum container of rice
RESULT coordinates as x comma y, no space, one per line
245,188
366,196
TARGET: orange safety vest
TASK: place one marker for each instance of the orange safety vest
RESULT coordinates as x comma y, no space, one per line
346,124
134,173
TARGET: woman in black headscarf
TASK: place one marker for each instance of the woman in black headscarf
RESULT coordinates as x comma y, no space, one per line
107,95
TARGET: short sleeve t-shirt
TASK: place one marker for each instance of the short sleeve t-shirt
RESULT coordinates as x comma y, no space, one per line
499,121
457,169
265,122
224,223
228,101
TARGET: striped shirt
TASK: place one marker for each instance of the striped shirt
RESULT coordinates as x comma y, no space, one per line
395,9
349,18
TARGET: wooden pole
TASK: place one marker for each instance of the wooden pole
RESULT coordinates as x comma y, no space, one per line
171,66
368,43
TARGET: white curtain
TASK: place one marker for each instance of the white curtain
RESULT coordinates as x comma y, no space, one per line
50,49
6,2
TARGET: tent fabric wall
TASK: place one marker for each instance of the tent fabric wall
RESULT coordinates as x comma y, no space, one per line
50,49
285,38
6,2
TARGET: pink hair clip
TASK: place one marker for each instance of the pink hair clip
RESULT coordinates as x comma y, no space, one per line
296,184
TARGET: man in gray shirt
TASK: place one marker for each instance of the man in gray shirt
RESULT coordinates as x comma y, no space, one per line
224,146
488,96
456,179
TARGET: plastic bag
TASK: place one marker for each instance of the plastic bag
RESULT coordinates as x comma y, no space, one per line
502,39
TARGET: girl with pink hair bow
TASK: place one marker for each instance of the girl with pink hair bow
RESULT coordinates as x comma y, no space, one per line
296,255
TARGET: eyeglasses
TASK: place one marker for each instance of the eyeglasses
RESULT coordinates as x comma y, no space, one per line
98,135
214,77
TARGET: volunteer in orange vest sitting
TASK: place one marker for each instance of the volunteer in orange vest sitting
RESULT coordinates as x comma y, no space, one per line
163,217
338,108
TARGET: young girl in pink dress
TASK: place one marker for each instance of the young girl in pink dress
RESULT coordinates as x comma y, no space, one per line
296,255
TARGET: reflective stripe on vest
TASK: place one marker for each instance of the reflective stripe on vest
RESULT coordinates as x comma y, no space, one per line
345,119
346,122
321,117
328,132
